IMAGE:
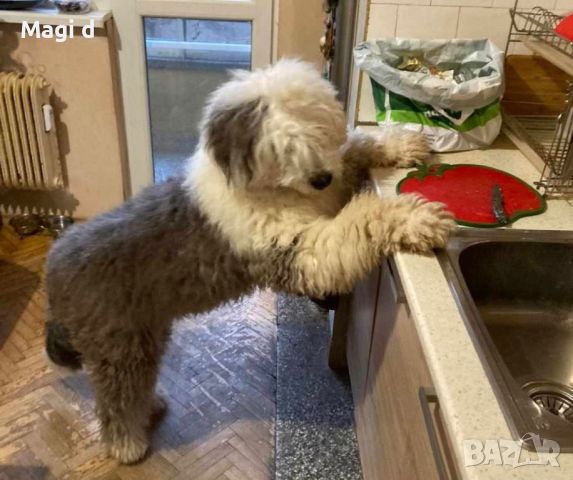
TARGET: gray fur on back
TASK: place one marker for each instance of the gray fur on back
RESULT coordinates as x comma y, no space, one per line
149,261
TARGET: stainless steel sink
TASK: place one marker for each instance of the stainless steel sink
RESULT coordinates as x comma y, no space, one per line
515,291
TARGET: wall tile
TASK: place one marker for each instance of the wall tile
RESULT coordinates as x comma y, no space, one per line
463,3
492,23
381,21
427,22
366,109
402,2
527,4
564,5
503,3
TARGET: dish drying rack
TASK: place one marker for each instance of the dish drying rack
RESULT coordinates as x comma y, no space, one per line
549,138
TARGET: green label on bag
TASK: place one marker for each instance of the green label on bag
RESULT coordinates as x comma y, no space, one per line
406,110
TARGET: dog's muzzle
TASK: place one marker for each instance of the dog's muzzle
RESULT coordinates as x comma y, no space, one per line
321,181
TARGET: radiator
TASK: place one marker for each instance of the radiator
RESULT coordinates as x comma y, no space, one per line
29,156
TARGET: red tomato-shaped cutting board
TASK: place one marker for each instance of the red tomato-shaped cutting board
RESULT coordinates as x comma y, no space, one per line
466,190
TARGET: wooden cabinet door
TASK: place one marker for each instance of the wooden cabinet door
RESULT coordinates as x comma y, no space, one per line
395,441
361,312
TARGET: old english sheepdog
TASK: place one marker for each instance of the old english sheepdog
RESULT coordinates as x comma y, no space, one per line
272,198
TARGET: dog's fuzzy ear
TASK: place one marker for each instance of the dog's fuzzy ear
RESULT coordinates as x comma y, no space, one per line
232,134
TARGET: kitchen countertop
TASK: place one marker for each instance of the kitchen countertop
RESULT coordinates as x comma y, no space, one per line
467,400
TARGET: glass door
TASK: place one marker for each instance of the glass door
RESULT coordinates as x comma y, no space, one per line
172,55
186,60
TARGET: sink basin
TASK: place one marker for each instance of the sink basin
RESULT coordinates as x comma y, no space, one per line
515,292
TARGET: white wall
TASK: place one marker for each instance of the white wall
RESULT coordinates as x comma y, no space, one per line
443,19
299,30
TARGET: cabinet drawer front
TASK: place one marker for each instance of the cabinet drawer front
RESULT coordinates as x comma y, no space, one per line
437,435
397,446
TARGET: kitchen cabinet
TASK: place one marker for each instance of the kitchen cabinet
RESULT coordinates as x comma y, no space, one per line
362,309
398,422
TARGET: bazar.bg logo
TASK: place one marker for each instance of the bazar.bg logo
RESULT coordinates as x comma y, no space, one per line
511,452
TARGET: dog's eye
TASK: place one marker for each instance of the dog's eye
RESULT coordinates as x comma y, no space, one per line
321,181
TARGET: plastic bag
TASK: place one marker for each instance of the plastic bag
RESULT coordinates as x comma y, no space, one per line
457,106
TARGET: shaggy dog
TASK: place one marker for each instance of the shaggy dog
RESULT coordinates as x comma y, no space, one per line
271,199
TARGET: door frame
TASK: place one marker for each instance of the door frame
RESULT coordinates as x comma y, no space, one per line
128,16
360,34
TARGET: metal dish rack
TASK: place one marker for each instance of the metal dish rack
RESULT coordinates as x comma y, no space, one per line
550,137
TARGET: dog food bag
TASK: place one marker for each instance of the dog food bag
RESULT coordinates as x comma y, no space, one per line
449,90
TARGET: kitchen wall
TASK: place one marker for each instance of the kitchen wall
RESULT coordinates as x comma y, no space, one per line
300,28
450,18
443,19
298,31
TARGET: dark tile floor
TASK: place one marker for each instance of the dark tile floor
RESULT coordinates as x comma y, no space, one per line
315,437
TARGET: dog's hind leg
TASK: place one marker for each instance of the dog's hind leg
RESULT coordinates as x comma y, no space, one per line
125,402
364,150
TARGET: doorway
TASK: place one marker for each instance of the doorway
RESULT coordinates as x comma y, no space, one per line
172,55
186,59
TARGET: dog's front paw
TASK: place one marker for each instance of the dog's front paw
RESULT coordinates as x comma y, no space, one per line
427,226
411,149
127,449
417,225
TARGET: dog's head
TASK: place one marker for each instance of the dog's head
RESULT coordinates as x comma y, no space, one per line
281,126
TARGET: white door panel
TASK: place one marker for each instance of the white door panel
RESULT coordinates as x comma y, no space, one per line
186,83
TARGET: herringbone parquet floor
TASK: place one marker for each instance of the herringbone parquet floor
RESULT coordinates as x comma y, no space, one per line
218,379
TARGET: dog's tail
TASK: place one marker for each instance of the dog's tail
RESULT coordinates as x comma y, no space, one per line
59,348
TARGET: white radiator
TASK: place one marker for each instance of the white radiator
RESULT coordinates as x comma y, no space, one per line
29,156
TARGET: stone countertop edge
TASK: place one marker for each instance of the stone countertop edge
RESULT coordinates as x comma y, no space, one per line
467,400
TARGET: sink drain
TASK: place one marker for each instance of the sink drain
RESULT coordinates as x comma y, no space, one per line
553,398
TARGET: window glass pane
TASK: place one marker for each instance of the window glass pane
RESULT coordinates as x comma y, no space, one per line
186,60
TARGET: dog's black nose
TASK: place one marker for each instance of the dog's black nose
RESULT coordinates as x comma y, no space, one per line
321,181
